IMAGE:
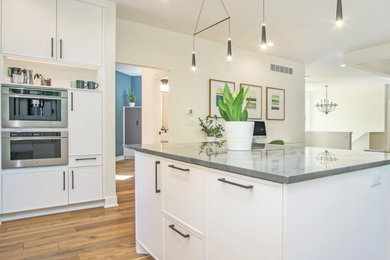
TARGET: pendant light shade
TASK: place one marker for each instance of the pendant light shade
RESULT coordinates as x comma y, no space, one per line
193,67
229,50
263,43
164,87
339,14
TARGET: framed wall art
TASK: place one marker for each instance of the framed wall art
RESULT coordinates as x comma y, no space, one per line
275,104
254,98
216,93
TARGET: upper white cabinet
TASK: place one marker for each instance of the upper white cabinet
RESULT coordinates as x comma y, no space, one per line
69,31
29,28
79,32
85,122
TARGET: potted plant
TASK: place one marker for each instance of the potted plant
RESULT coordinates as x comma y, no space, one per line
132,98
239,132
218,130
208,127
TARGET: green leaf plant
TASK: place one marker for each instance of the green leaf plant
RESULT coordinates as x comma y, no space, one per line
230,106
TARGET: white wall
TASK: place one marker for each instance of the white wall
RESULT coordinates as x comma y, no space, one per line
361,108
109,105
148,46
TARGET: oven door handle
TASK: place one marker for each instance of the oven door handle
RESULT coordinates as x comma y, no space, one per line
35,138
36,97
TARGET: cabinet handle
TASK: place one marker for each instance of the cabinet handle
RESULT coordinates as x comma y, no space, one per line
71,101
60,48
86,159
52,47
236,184
179,232
63,180
136,122
72,180
155,176
178,168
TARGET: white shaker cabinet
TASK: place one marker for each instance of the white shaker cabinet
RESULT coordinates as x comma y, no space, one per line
148,204
85,122
85,184
79,32
31,190
244,218
29,28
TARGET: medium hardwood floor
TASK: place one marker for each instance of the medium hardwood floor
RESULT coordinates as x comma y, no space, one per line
87,234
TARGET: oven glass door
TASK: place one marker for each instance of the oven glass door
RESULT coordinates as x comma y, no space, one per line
35,149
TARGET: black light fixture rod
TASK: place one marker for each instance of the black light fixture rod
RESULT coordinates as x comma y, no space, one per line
223,20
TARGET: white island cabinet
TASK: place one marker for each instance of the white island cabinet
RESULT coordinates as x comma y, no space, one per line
190,211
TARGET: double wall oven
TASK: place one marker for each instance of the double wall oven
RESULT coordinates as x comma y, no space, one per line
34,122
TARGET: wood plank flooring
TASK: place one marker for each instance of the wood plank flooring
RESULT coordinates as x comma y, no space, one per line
87,234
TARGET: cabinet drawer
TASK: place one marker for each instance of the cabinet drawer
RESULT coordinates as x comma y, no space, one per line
179,243
85,160
183,190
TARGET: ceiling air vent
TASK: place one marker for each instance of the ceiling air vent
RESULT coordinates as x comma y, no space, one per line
281,69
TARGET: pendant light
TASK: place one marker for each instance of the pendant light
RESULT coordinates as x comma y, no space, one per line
164,87
263,42
229,55
339,14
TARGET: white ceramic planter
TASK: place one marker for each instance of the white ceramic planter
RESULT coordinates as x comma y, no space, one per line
239,135
210,139
132,104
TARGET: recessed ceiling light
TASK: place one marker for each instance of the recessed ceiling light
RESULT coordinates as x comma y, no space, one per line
343,65
307,76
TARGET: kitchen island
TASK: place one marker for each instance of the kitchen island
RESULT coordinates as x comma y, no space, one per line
200,201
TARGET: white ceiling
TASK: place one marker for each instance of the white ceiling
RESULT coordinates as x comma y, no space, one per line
129,70
302,30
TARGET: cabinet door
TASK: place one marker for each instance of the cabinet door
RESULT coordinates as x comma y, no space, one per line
85,184
85,122
29,28
243,222
34,190
79,32
148,204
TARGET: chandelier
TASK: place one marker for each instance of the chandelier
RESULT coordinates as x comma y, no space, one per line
326,106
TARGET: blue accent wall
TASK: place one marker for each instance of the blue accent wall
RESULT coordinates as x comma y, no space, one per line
136,87
123,83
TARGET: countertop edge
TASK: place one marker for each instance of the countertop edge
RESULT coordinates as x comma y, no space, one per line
263,175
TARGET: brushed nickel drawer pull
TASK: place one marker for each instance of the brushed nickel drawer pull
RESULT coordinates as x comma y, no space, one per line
85,159
179,232
178,168
235,184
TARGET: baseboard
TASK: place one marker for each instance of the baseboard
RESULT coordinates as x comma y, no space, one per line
120,158
50,211
111,202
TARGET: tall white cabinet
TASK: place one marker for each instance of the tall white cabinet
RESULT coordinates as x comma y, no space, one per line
63,30
85,126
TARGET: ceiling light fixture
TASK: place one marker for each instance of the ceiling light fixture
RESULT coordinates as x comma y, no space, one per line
164,87
343,65
229,55
326,106
263,43
339,14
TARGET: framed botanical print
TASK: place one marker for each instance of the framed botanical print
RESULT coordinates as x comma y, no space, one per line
216,94
275,104
254,98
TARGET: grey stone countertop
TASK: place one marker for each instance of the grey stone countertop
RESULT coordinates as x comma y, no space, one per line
277,163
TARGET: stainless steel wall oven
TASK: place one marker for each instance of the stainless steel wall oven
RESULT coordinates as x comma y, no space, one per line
38,107
31,149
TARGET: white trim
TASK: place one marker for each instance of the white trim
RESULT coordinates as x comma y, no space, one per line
49,211
120,158
111,202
